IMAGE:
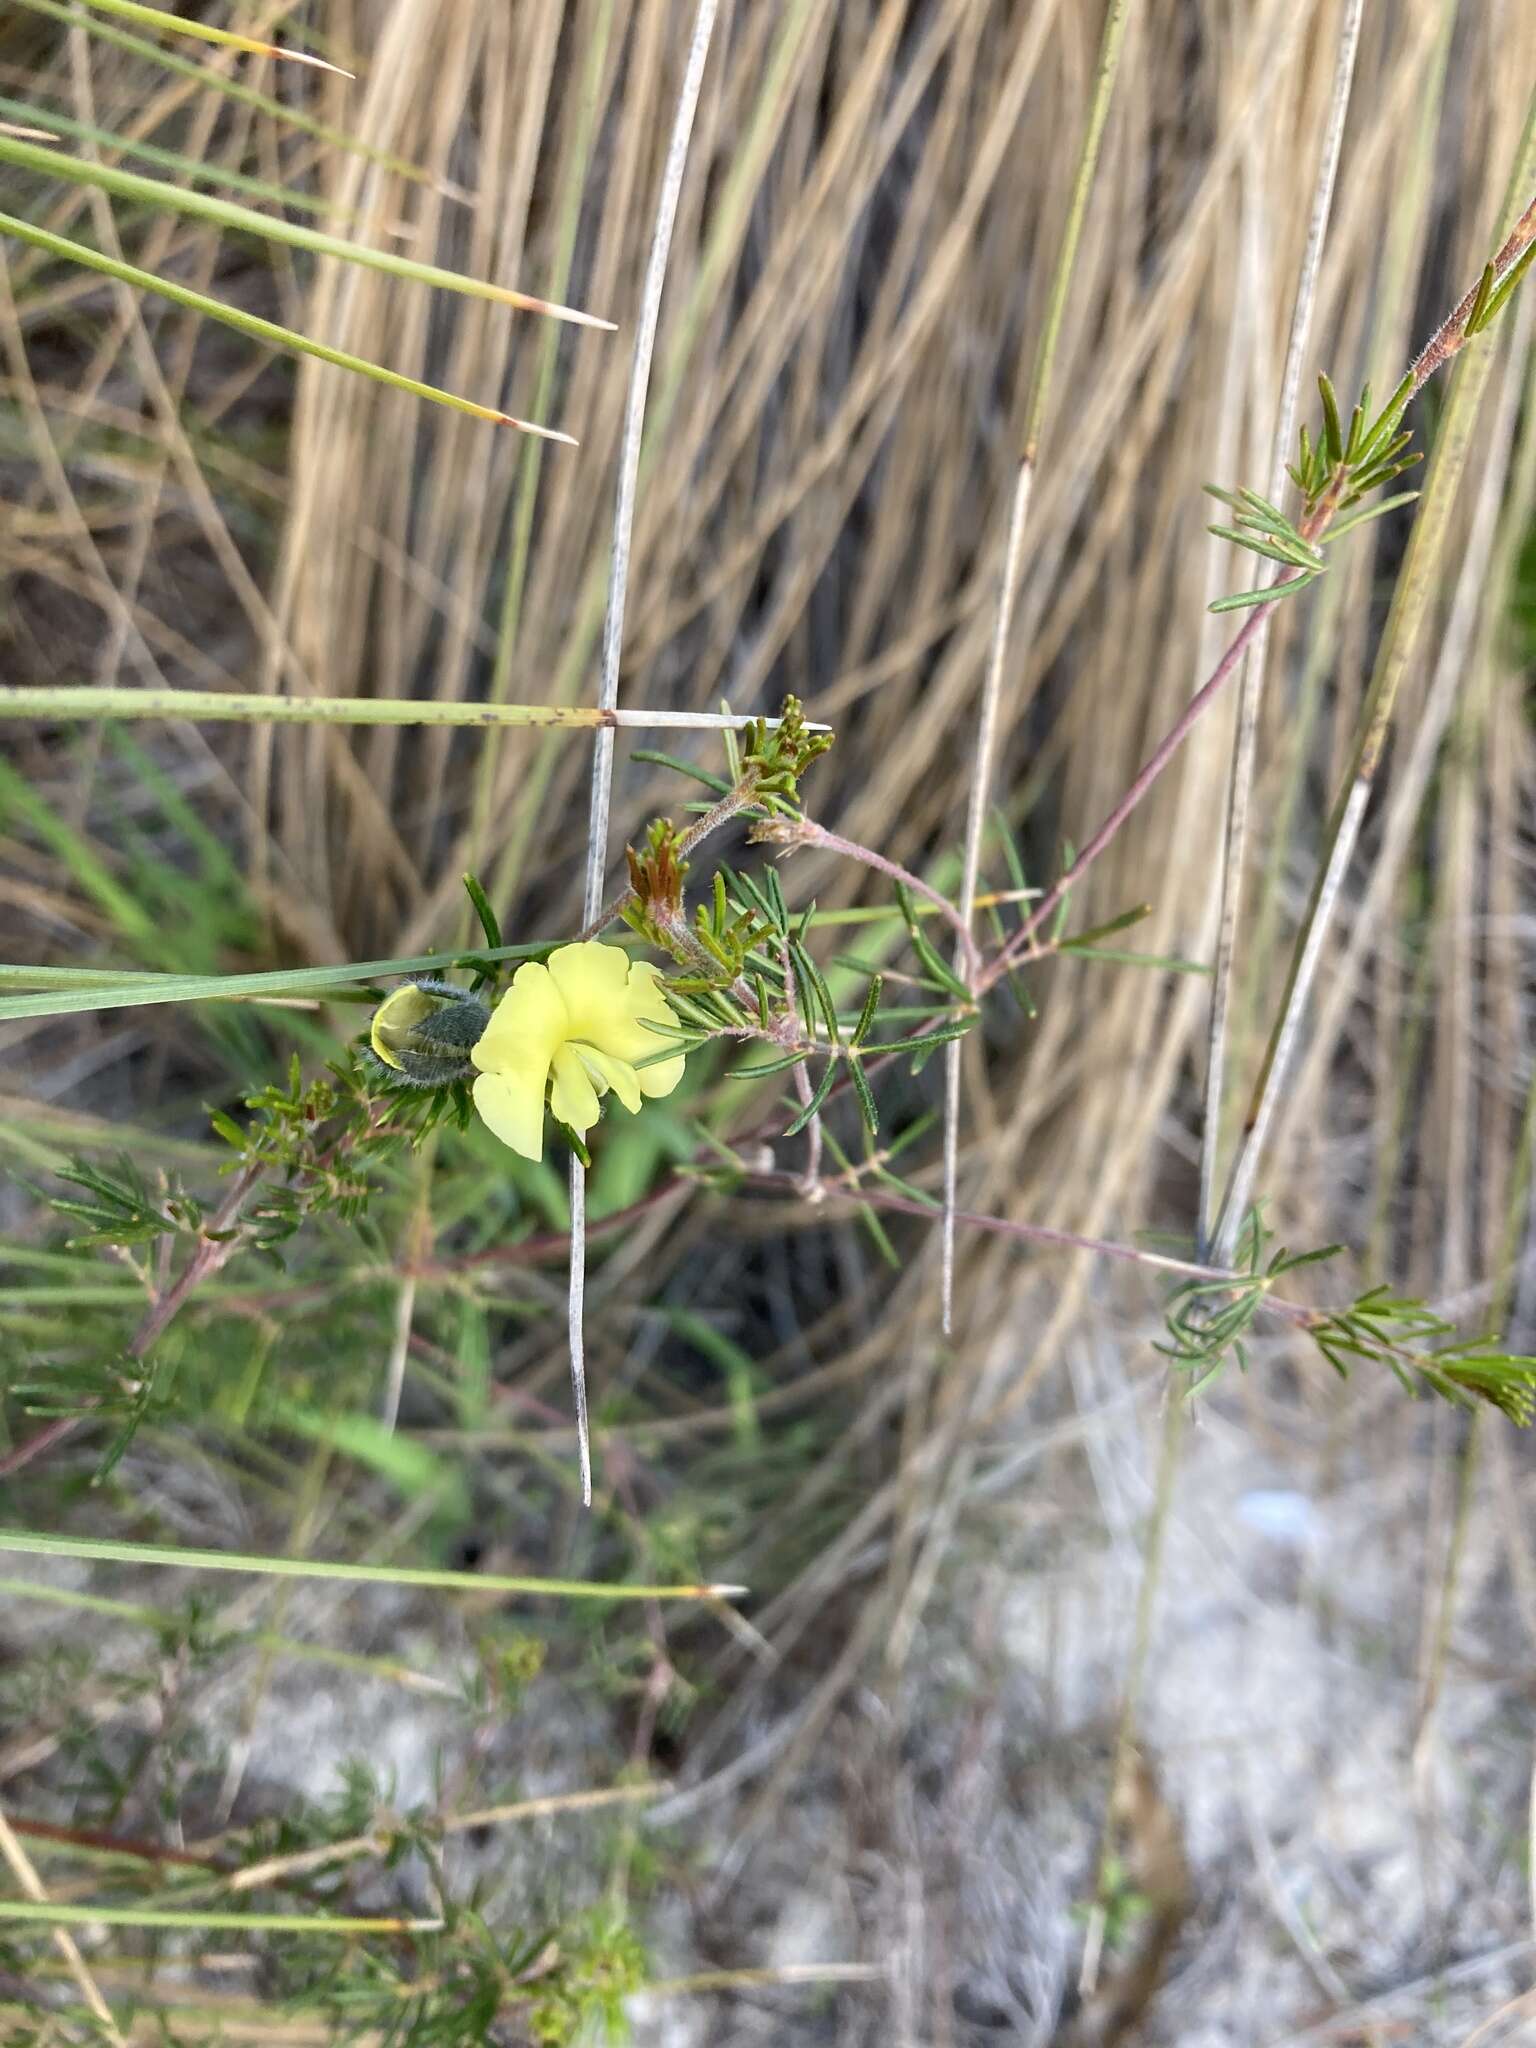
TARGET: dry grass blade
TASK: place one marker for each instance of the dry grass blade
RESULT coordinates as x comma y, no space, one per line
276,1869
980,792
1251,683
21,1869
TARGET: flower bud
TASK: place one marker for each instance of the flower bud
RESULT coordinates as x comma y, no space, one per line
423,1030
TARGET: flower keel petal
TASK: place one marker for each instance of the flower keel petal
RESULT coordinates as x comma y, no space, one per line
607,1072
573,1098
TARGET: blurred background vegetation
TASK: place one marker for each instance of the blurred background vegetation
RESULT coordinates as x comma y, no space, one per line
1251,1717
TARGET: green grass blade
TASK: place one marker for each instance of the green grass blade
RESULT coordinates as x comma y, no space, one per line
46,1914
224,213
131,990
262,103
108,1552
90,873
230,39
43,120
252,324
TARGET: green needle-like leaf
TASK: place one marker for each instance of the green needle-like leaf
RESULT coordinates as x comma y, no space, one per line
230,39
489,923
224,213
266,331
867,1014
1240,599
1333,432
1508,286
863,1091
823,1090
1342,526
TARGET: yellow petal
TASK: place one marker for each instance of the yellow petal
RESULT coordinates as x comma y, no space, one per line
512,1108
526,1025
607,1072
661,1078
573,1098
648,1005
618,1023
591,980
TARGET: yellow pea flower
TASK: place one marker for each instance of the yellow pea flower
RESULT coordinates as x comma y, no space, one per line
578,1026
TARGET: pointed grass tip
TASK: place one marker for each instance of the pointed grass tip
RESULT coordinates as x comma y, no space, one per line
297,57
553,311
508,419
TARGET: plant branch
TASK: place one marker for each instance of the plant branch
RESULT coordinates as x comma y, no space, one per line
848,1188
1411,599
792,833
218,1241
1449,339
1020,944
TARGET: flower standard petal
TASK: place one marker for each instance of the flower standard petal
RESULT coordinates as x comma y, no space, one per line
591,979
582,1025
512,1108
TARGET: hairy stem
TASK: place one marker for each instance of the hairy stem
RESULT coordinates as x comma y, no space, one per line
790,833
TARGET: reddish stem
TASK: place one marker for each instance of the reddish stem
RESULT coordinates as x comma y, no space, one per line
1151,769
209,1257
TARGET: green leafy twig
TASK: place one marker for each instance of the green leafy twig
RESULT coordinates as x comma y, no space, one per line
1208,1321
1450,338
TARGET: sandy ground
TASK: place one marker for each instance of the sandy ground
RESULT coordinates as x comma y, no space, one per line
1331,1843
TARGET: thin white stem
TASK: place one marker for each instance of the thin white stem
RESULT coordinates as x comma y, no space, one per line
399,1351
986,731
1240,1185
613,636
629,450
975,830
1251,684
